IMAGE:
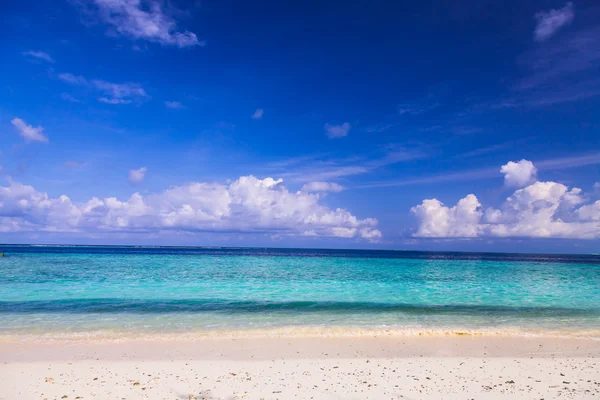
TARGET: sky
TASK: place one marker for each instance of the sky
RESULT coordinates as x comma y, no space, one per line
427,125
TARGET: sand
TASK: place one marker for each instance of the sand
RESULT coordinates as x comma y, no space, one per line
302,368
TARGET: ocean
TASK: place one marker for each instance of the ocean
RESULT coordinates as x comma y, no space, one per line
108,290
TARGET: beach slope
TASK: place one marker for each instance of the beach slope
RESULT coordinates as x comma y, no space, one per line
303,368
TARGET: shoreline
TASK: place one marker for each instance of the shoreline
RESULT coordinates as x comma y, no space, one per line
294,332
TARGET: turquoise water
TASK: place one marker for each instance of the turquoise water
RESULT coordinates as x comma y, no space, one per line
170,290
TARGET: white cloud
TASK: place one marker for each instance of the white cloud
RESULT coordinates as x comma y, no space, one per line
371,234
40,55
337,131
28,132
549,22
24,208
114,93
590,212
173,104
322,187
543,209
315,169
114,101
519,174
324,171
136,176
143,20
247,204
258,114
540,210
119,93
437,220
68,97
72,79
597,187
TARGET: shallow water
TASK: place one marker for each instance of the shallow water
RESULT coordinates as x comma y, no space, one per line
178,290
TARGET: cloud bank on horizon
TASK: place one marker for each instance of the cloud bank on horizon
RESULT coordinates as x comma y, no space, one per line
248,205
538,210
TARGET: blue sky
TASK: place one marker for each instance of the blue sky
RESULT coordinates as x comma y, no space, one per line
373,120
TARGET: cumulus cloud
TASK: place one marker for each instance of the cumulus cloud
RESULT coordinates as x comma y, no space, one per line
322,187
173,104
437,220
136,176
29,133
337,131
258,114
40,55
142,20
247,204
540,210
518,174
370,234
590,212
549,22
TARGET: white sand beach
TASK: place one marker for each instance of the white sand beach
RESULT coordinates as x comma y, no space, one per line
302,368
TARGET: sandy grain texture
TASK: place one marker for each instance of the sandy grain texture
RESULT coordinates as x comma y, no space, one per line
303,368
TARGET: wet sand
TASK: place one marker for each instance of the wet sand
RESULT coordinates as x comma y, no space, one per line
302,368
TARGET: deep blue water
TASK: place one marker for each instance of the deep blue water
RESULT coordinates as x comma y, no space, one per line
166,289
